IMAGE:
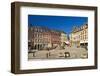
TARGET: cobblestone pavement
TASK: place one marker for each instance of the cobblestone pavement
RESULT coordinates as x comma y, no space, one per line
67,53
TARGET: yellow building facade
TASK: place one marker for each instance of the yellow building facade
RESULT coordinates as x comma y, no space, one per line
84,35
79,36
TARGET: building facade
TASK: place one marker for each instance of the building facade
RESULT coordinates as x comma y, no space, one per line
74,38
79,36
64,38
84,35
55,38
44,38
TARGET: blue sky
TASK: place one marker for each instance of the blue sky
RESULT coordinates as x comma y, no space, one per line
63,23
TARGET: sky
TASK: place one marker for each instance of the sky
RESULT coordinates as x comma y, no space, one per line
63,23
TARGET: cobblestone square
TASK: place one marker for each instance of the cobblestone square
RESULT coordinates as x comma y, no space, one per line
67,53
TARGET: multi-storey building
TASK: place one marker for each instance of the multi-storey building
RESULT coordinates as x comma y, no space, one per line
30,38
74,37
36,37
79,36
84,35
47,39
55,38
43,38
63,38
